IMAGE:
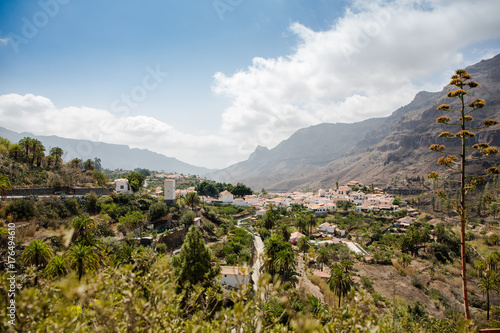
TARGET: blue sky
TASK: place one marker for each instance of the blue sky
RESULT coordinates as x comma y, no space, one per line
240,73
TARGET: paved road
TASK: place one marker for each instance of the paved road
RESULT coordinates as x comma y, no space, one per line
259,248
356,248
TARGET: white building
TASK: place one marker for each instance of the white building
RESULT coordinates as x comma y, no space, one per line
226,197
169,191
234,276
327,228
240,203
121,185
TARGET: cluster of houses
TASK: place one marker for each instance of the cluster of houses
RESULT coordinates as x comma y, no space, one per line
321,202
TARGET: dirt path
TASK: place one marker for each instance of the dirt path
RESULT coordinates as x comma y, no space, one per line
305,284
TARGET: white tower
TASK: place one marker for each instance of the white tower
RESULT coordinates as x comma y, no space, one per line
169,191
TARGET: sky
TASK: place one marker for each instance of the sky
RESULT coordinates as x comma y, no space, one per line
207,81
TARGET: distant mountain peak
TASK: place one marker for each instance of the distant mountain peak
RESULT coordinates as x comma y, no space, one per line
258,152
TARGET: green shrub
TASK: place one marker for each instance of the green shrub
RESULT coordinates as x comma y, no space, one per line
21,209
417,283
161,248
157,211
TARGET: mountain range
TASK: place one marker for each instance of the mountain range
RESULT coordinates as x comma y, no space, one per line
112,156
372,151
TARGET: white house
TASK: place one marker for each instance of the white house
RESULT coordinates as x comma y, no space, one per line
240,202
226,197
318,210
121,185
234,276
327,227
345,190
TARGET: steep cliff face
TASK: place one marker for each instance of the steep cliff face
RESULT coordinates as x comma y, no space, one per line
372,151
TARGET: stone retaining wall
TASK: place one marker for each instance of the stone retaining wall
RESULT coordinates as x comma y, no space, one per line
26,192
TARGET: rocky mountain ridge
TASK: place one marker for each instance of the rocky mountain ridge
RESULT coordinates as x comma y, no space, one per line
372,151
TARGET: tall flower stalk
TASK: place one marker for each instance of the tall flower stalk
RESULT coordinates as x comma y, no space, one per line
456,160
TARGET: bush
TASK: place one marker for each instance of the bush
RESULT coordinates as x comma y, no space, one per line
121,228
91,203
231,259
161,248
104,230
73,206
157,211
264,233
477,302
132,220
441,252
367,283
21,209
415,281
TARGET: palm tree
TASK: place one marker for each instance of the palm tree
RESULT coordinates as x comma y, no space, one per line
5,185
39,156
269,220
88,165
124,255
192,200
480,266
49,159
301,224
37,253
489,282
97,164
56,153
83,226
493,260
303,244
347,265
285,265
83,258
272,247
15,150
26,144
340,281
285,233
36,150
311,222
404,260
494,239
323,257
76,163
57,267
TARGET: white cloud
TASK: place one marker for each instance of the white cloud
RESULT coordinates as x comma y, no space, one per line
369,63
4,41
38,115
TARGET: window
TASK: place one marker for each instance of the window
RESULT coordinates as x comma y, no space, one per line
122,187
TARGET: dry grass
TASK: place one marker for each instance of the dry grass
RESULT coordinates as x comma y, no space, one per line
439,277
330,297
453,271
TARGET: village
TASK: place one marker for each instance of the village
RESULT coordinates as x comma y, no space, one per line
320,203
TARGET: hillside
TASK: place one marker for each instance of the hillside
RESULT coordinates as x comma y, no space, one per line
112,156
372,151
